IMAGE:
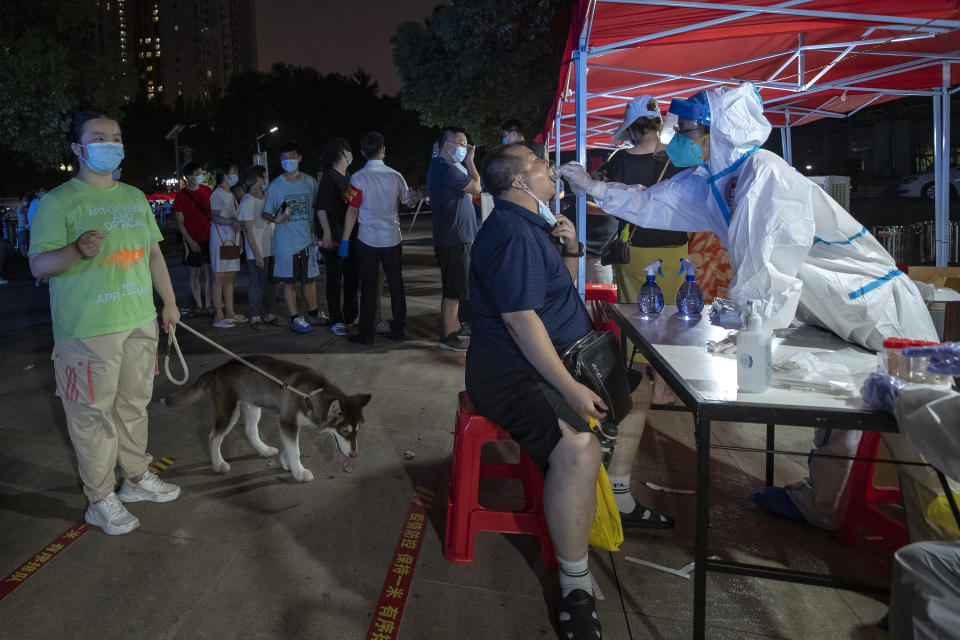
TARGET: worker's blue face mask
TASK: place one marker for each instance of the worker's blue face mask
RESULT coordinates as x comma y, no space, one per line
684,152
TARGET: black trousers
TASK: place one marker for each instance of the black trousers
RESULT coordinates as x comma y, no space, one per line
369,260
343,277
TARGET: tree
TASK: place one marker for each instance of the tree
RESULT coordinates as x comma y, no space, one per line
53,64
477,63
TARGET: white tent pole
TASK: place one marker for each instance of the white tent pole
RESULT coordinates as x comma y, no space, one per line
580,63
942,174
785,139
556,144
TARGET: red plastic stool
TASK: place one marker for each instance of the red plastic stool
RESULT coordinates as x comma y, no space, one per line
597,295
465,516
864,497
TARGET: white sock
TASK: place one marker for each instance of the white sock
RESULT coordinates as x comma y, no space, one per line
574,575
621,492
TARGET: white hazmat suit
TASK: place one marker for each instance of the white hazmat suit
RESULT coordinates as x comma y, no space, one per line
791,246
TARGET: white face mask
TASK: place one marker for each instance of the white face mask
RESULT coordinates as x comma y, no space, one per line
232,179
197,179
290,166
543,208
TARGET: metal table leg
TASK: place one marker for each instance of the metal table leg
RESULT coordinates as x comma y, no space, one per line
770,448
703,522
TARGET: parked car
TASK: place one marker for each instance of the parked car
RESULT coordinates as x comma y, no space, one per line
920,185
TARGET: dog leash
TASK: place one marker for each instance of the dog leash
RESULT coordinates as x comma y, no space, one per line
175,345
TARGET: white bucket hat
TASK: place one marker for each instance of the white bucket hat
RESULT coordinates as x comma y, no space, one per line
636,108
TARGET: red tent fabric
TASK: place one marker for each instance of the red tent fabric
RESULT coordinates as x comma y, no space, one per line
808,58
160,196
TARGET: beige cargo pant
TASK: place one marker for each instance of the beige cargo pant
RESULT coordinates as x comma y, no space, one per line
105,383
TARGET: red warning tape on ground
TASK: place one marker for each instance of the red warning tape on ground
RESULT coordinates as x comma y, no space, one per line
385,624
55,548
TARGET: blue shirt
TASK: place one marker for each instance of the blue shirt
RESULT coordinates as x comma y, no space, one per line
296,233
515,265
454,216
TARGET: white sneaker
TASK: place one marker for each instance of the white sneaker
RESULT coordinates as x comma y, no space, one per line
339,329
110,515
150,488
226,323
383,327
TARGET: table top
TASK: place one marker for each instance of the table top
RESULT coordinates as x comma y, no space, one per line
707,383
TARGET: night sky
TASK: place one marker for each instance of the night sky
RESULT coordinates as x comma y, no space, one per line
336,35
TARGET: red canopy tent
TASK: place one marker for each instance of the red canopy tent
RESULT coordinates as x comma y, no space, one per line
809,59
159,196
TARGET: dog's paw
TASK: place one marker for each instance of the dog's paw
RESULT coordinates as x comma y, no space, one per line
268,452
283,461
221,467
303,476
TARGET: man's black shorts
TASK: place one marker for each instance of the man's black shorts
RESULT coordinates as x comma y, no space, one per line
454,269
193,259
526,407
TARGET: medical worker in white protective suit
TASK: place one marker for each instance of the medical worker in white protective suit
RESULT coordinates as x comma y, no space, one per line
791,246
925,595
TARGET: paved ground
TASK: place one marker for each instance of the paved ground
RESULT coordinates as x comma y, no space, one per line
253,554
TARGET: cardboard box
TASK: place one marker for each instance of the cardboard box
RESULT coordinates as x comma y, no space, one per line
948,277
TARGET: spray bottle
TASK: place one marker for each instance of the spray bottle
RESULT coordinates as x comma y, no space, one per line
650,300
754,353
689,297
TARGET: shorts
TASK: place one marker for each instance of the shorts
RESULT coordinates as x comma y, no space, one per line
454,266
525,406
196,260
300,268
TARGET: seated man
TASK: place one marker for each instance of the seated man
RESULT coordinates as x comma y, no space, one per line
526,309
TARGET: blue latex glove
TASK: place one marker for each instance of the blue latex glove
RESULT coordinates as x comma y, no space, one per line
944,358
344,249
880,391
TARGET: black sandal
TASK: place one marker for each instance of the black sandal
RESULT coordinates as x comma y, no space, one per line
577,618
643,517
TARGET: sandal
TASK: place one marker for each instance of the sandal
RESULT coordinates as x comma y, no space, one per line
643,517
577,618
271,319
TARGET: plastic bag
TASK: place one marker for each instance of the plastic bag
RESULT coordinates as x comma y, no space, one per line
607,532
938,511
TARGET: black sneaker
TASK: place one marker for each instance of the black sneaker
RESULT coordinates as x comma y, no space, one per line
453,342
359,339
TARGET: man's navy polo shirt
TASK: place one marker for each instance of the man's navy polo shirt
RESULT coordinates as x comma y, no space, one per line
516,266
454,216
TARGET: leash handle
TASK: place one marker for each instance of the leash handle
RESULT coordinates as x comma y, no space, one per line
172,342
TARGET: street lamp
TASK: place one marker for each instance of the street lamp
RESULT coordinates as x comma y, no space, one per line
261,158
272,130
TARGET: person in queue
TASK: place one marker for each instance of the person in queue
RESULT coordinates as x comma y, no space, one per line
191,208
98,242
791,246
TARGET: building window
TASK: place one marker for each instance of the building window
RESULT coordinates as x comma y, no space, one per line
149,67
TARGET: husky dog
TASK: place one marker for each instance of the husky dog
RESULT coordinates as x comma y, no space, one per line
236,388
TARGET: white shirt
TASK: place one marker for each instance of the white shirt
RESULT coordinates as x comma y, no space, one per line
250,210
375,191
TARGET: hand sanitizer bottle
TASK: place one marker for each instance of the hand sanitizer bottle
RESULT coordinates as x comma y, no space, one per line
689,297
754,354
650,300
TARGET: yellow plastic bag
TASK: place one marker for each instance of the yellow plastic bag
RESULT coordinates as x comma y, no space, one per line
938,511
607,532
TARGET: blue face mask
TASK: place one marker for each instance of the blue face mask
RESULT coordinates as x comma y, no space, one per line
542,207
459,154
103,157
684,152
232,179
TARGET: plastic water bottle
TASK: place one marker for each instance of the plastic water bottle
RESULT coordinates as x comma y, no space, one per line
689,297
650,300
754,353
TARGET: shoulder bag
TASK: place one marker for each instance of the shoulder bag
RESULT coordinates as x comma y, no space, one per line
618,251
596,362
230,251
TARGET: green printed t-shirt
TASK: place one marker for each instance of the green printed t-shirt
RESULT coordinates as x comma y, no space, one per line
113,290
